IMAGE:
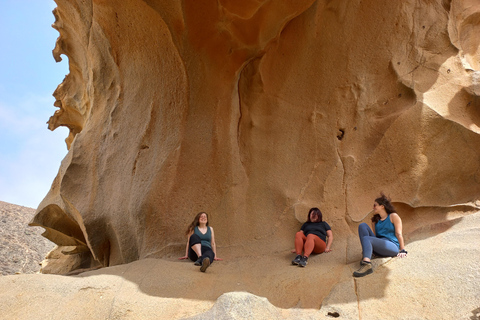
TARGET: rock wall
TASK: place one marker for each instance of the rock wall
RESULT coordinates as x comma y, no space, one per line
256,112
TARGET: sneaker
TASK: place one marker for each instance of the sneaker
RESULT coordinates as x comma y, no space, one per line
362,263
364,270
297,259
205,264
303,261
198,262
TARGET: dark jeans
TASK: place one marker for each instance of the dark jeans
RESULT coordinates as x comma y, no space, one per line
206,251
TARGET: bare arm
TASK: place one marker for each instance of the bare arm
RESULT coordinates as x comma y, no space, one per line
329,240
186,247
214,245
397,222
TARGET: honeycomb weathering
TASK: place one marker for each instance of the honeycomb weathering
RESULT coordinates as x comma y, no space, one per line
254,114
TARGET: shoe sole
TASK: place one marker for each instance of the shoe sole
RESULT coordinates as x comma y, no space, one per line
358,275
295,263
205,264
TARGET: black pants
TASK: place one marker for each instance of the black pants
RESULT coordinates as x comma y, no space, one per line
206,251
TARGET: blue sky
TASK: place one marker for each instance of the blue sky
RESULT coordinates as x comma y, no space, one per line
30,154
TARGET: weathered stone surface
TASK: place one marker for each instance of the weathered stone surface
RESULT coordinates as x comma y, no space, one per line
255,113
21,248
438,280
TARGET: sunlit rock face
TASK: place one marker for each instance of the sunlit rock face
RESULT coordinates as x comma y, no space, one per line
254,111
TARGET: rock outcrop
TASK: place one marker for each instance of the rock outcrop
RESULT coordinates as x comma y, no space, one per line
22,249
440,279
255,113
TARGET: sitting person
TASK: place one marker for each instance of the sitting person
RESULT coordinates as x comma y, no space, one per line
386,239
201,246
312,237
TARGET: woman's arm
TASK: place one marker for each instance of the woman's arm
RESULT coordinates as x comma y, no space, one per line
329,240
186,247
397,222
214,246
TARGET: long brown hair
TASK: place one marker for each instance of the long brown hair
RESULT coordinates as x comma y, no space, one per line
196,222
384,201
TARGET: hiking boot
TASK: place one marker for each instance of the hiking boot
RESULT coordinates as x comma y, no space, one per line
297,259
205,264
363,262
198,262
364,270
303,261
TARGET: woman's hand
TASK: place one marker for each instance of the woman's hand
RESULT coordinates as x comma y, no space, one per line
183,258
402,253
328,250
217,259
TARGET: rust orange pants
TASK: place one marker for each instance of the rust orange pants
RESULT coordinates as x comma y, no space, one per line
308,244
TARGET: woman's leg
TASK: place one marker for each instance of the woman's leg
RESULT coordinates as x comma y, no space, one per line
314,244
195,249
208,253
366,236
299,242
207,258
384,247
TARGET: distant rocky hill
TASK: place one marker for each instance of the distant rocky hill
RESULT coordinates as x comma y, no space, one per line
22,248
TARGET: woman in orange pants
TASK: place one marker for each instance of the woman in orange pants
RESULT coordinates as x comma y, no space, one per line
312,237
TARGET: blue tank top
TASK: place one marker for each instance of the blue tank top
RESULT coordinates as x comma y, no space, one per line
206,238
386,230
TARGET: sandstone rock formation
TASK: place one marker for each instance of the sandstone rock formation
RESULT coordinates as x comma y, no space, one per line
255,113
438,280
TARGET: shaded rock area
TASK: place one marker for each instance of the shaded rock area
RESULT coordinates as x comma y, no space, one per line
440,279
22,248
254,114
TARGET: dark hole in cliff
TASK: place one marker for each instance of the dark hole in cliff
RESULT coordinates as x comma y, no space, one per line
333,314
340,134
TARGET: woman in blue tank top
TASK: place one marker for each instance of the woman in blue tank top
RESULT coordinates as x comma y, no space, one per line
201,246
387,240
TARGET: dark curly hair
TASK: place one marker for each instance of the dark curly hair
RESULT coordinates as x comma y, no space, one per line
384,201
316,212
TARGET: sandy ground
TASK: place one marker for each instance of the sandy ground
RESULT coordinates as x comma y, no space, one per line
440,279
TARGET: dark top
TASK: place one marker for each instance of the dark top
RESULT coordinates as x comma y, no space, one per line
317,228
206,238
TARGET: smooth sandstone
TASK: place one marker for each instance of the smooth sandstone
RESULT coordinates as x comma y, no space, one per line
254,114
438,280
